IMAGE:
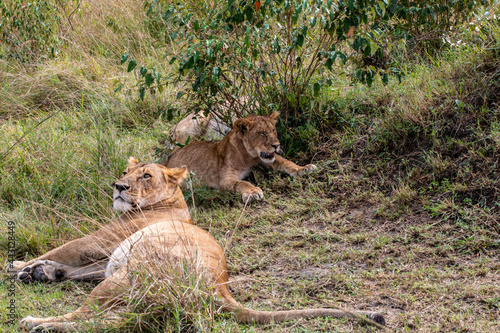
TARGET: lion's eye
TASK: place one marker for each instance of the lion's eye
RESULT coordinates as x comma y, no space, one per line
262,134
146,176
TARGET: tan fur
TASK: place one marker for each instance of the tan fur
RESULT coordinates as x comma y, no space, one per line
158,226
223,164
146,201
203,126
195,127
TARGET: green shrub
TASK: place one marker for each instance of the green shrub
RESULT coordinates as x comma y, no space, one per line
29,29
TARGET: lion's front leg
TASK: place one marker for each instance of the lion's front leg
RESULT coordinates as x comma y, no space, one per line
36,325
247,190
51,271
80,259
282,164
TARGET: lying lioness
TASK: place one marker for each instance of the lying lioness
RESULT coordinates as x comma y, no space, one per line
195,127
223,164
156,217
208,126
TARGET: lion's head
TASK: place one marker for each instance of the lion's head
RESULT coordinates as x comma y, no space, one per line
259,136
143,185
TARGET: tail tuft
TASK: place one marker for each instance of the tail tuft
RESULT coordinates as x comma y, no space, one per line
378,318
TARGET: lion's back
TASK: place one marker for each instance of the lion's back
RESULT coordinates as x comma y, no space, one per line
200,157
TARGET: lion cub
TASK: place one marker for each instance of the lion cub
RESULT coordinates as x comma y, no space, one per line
223,164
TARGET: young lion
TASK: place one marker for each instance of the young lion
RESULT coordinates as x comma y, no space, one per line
223,164
155,219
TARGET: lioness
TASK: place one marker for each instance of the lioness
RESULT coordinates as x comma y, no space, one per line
147,193
195,127
155,216
208,126
223,164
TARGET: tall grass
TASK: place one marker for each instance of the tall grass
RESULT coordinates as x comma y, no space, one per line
169,293
423,150
66,134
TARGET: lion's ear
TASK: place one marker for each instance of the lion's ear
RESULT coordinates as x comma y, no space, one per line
132,161
242,125
175,175
274,116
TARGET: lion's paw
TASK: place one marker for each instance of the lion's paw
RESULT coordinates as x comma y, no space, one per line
40,270
377,317
29,323
38,325
252,194
306,169
14,267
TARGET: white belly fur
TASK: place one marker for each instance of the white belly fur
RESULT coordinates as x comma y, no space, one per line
121,254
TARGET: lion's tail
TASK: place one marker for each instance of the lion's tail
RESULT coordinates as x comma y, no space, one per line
246,315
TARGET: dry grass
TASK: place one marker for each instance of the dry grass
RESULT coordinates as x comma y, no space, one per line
402,218
166,292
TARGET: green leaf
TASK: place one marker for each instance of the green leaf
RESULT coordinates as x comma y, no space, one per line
255,54
312,21
179,94
329,63
143,70
316,89
167,14
124,58
215,73
369,78
373,48
385,78
149,79
170,114
131,65
382,7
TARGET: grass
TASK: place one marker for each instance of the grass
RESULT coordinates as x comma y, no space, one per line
402,216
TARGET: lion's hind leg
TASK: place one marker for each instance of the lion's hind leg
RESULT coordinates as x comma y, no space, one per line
104,299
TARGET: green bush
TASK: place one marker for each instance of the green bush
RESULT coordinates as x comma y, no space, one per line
29,29
280,53
271,50
285,49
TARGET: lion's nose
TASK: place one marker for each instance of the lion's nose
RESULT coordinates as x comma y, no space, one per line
276,146
121,187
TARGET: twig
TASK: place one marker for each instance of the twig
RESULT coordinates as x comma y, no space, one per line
228,244
192,197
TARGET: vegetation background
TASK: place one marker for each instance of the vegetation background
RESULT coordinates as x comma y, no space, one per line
403,216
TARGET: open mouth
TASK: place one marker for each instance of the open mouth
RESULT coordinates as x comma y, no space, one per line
267,156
